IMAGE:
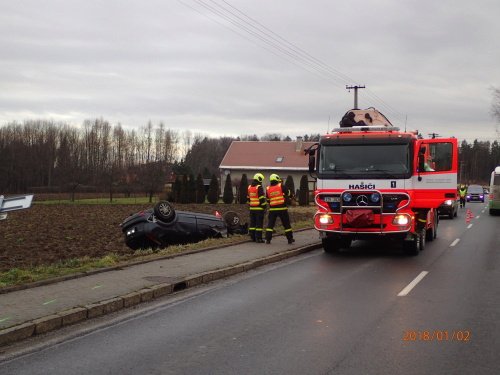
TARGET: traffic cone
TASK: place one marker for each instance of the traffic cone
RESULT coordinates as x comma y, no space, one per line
468,216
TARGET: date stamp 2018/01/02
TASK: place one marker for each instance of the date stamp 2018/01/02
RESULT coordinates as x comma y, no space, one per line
437,335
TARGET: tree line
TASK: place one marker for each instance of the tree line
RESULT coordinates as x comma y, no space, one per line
43,156
477,160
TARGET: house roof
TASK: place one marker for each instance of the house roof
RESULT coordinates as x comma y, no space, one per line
265,155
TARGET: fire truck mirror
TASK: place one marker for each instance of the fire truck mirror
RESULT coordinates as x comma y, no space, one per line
421,161
312,162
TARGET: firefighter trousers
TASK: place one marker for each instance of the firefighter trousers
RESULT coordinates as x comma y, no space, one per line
256,225
285,220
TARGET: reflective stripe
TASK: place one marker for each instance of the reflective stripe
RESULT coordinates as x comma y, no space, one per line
278,209
275,195
253,194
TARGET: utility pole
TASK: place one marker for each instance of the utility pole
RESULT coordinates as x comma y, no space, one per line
355,93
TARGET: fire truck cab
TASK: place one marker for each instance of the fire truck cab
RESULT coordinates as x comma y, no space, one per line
373,181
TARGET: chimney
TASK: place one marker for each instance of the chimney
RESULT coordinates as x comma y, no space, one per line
298,144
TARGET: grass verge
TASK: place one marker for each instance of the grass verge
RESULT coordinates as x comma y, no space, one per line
20,276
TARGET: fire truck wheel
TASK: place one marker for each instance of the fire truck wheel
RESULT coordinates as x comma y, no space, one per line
431,233
412,247
333,245
422,239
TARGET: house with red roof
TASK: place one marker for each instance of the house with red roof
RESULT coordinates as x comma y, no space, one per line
267,157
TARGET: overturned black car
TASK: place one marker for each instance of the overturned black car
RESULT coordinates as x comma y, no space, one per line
162,225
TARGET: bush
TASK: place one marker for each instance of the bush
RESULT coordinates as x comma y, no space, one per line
289,184
304,191
243,189
200,190
228,195
184,194
176,190
213,190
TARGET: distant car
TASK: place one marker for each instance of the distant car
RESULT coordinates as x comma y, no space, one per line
449,208
475,193
161,226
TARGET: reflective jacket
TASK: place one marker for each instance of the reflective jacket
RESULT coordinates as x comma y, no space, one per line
276,197
256,198
462,192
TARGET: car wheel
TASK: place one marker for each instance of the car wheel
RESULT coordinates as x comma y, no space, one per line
455,214
232,220
164,211
450,215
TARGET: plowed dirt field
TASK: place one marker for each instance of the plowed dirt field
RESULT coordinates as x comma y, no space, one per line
46,234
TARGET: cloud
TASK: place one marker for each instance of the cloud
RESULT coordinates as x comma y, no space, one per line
177,62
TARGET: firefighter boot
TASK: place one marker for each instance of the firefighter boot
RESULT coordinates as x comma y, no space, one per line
289,237
269,236
258,236
251,232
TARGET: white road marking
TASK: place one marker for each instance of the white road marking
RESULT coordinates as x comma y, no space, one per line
478,216
412,285
469,226
455,242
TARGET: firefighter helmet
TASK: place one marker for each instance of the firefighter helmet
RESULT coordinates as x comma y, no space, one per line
274,178
259,177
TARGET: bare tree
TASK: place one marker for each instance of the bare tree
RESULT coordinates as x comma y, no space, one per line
495,110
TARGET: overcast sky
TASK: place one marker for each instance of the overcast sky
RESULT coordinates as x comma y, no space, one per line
236,67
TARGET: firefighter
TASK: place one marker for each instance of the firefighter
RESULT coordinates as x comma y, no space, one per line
277,196
257,204
462,192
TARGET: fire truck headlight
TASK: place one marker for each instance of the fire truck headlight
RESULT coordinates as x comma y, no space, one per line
325,219
347,197
375,197
448,202
401,219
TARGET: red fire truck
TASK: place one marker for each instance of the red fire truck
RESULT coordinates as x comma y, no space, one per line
373,181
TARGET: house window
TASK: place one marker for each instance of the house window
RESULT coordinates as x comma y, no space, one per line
279,159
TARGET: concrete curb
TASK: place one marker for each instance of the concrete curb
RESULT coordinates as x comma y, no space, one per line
79,313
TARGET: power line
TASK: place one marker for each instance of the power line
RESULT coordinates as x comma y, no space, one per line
272,42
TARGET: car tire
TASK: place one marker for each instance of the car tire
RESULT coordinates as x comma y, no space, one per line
455,214
451,215
164,211
232,220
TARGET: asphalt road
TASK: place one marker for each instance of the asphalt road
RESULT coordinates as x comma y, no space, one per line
352,313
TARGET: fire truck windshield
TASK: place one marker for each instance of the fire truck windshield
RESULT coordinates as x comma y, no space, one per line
354,161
